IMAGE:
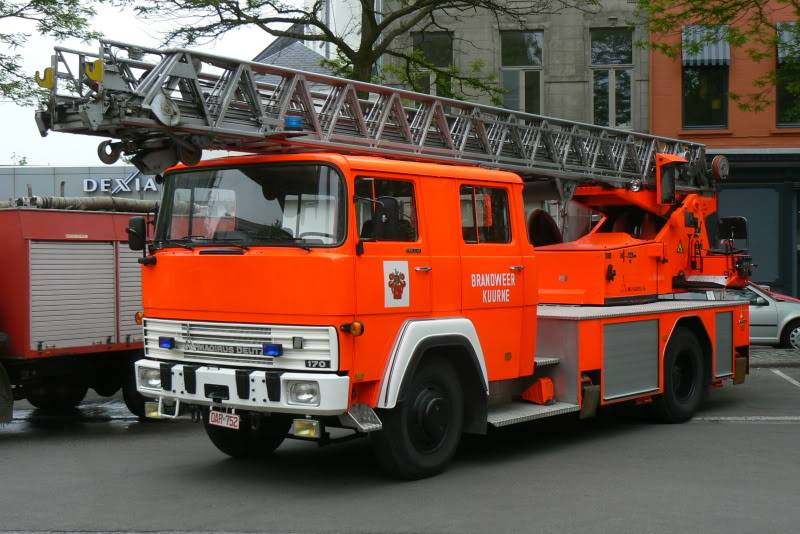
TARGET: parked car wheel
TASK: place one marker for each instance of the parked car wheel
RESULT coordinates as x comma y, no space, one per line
790,337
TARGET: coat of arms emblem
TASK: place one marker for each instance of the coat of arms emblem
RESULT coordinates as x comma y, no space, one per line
397,283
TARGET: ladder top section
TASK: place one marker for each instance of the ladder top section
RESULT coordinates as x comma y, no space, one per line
164,106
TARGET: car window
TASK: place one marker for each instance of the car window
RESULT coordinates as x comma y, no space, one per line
737,294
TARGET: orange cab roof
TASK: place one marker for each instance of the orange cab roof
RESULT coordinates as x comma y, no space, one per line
365,164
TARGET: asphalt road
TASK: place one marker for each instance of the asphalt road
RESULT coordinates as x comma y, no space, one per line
735,468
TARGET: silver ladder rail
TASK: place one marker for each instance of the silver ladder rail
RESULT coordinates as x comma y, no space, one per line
176,102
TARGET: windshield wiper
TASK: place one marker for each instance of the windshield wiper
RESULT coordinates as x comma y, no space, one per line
221,242
191,241
180,242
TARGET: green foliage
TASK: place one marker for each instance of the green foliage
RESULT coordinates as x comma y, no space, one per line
753,27
382,37
58,19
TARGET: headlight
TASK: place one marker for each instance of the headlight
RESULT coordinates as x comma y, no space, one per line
149,378
306,393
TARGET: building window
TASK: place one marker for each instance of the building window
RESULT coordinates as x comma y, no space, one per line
436,49
484,215
612,72
521,70
787,75
706,57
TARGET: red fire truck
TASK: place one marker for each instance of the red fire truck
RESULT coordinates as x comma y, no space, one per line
70,289
380,262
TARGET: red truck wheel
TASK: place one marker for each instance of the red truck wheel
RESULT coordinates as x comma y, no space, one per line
421,434
56,397
684,378
257,437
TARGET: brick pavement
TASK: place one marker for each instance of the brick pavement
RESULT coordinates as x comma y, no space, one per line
766,356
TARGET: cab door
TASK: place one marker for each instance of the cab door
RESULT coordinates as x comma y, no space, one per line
492,275
393,270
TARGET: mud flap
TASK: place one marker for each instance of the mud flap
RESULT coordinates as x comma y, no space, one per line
591,400
739,370
6,397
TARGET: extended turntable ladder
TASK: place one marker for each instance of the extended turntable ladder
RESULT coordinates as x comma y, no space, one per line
182,100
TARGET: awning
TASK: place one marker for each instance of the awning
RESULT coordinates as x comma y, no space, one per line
713,48
788,42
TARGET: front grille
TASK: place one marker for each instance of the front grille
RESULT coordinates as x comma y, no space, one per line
241,343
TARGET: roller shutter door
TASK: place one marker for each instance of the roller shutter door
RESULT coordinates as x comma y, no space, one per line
72,286
130,294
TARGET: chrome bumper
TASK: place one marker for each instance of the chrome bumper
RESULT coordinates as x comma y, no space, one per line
252,390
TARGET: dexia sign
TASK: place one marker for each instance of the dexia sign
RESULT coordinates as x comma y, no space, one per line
134,182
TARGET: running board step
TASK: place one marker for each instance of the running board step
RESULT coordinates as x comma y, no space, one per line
519,412
546,361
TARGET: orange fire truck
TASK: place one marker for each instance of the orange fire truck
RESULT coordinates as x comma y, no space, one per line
380,263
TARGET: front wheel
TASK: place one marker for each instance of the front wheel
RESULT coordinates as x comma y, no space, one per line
421,434
134,400
790,337
684,379
257,437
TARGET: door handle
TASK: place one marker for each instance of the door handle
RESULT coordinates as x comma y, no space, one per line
422,269
517,267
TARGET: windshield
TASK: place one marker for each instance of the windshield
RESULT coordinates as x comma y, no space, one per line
283,204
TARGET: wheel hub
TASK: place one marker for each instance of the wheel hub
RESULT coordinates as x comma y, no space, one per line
683,374
430,414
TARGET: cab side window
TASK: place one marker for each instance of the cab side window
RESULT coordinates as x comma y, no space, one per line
385,210
484,214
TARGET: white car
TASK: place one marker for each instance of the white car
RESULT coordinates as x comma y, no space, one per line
774,317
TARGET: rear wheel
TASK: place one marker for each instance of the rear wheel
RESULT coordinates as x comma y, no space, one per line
257,437
790,337
684,378
421,434
56,397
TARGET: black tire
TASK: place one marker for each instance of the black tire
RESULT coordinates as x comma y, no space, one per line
258,435
134,400
791,332
56,397
685,382
421,434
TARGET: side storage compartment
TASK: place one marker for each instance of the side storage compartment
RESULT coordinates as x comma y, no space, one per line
72,294
130,294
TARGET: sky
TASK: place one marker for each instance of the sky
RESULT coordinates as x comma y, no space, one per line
19,136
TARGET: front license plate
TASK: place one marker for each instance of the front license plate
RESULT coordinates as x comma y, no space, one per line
225,420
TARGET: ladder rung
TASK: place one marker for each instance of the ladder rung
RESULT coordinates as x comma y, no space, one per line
546,361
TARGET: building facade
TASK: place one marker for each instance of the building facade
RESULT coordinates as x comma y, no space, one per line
577,65
121,181
692,99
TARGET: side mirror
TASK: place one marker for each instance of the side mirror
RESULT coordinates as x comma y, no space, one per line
759,301
137,233
732,228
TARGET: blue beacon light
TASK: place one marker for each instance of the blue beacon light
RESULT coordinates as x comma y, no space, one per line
272,349
293,122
